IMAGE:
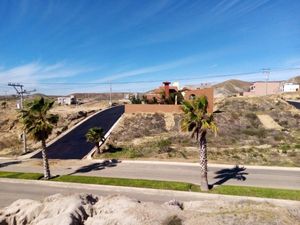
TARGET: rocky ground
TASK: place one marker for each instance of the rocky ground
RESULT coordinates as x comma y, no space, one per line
120,210
241,138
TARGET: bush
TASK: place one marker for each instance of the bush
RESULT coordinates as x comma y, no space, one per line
285,147
163,145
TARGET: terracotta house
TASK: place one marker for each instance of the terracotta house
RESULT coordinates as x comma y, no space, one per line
208,92
165,90
188,93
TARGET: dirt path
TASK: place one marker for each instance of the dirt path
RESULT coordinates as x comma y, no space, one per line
268,122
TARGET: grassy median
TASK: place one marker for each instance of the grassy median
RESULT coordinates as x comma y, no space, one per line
166,185
19,175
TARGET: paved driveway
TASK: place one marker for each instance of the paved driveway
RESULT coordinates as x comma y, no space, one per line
73,145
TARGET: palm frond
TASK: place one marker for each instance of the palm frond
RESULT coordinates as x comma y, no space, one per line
95,135
36,120
196,119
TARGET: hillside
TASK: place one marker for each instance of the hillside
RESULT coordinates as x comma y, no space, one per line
231,87
295,80
11,129
241,138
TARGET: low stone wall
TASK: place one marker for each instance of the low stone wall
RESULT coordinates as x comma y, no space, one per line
152,108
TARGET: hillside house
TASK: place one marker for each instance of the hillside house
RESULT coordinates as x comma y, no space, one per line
262,88
290,87
68,100
164,90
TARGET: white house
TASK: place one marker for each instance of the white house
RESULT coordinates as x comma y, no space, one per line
290,87
66,100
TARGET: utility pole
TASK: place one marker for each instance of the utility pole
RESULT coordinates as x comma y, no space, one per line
110,89
20,91
266,72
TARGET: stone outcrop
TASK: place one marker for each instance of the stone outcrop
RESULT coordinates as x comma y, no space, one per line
78,209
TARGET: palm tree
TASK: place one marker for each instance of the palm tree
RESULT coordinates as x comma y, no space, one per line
38,123
198,121
95,135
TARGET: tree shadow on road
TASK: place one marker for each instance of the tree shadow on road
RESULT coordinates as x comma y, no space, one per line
9,163
237,173
96,166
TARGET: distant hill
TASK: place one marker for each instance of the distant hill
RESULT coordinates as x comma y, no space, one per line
295,80
231,87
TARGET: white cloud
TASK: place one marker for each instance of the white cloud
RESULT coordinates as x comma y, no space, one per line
35,73
237,7
148,70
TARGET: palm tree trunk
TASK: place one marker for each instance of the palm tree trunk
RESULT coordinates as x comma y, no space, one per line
45,161
203,161
98,149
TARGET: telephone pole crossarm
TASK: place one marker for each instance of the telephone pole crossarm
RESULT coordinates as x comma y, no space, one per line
20,91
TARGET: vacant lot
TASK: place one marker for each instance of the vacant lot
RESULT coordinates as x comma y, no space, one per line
241,139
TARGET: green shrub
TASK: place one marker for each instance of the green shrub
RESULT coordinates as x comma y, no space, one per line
163,145
297,146
285,147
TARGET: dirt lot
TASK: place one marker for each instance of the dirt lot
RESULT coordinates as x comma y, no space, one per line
241,139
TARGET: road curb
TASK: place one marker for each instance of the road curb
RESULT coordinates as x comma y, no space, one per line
29,155
209,165
90,154
149,191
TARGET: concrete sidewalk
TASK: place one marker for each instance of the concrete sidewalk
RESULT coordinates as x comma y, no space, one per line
275,177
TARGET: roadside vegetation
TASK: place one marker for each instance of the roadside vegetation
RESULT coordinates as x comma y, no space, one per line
241,138
11,128
95,135
165,185
39,123
198,122
19,175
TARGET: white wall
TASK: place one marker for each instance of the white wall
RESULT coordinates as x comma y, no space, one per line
290,87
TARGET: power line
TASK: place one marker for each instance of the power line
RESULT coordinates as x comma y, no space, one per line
145,81
20,91
72,86
199,77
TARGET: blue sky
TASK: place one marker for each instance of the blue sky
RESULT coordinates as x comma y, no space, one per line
43,43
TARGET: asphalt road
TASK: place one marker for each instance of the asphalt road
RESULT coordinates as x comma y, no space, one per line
295,103
74,145
220,174
273,177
